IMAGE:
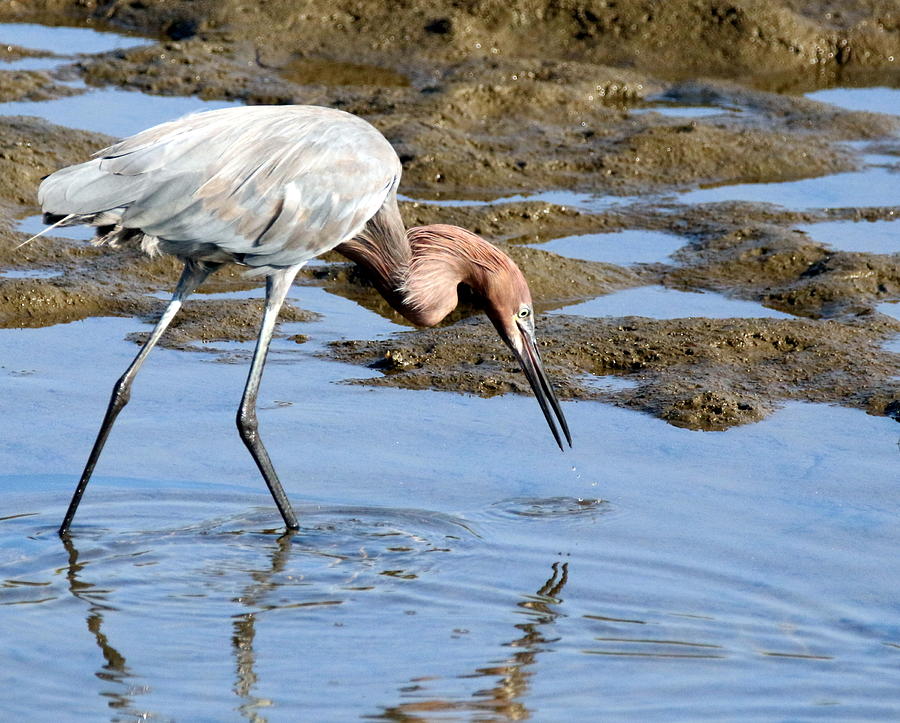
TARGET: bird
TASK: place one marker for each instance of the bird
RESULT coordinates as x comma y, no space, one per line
269,188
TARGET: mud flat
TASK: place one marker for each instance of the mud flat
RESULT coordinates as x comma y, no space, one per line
624,108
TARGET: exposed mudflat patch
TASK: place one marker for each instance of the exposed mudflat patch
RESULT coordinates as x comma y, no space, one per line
696,373
204,322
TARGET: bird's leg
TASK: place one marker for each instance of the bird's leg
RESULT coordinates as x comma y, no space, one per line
277,285
193,275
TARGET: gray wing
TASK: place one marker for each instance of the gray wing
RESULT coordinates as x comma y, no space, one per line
275,185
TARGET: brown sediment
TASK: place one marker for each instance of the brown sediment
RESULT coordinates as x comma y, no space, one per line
31,148
696,373
31,85
488,99
11,52
204,322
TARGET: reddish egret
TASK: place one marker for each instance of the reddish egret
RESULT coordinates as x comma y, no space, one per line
271,187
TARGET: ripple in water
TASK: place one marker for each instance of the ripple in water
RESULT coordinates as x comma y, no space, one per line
550,507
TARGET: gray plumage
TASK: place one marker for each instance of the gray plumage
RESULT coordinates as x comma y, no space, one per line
267,186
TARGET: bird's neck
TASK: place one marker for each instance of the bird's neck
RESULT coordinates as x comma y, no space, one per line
419,274
443,257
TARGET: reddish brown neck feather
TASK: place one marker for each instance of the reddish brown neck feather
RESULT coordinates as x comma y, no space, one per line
419,273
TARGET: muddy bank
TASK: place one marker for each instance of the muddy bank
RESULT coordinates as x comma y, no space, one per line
696,373
478,130
484,100
203,322
745,38
31,85
30,149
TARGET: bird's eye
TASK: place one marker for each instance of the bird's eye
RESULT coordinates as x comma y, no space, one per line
524,312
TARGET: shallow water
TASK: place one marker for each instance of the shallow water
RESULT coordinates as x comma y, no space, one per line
682,111
877,99
875,184
872,186
29,273
30,64
451,563
576,199
113,111
891,308
35,224
635,246
659,302
124,113
874,237
62,40
754,569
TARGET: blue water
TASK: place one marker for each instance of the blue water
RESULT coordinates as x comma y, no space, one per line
581,200
116,112
874,186
891,308
874,237
63,40
34,224
632,246
682,111
659,302
113,111
876,99
452,563
718,571
29,63
29,273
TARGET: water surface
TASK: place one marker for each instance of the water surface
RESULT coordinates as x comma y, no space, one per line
878,99
890,307
682,111
63,40
125,112
35,224
872,186
659,302
874,237
452,564
112,111
657,559
632,246
29,273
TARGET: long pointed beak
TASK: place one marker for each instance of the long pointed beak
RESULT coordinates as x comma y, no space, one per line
531,363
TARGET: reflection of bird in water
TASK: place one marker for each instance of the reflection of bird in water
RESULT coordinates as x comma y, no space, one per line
244,627
504,698
115,669
271,187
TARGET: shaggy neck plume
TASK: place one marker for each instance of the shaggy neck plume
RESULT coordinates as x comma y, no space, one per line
437,259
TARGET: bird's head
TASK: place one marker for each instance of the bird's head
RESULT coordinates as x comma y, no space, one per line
445,256
507,303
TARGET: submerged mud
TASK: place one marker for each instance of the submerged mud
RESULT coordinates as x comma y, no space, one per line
484,100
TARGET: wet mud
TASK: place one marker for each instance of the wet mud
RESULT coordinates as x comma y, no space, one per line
31,85
204,322
696,373
485,100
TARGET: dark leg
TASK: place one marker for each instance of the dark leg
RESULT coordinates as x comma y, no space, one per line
192,276
277,285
